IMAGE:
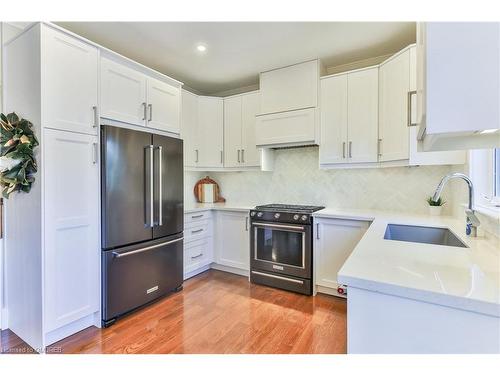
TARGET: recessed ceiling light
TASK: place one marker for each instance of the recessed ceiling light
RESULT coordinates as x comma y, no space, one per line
201,48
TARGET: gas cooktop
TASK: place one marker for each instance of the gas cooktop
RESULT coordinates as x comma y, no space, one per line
289,208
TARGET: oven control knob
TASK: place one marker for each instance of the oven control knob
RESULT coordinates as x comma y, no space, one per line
304,217
276,215
252,213
296,217
259,214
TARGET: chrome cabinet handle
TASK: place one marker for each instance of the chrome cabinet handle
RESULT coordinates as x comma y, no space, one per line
144,105
409,108
317,231
150,106
239,156
196,231
94,153
350,149
379,147
197,256
160,186
242,155
196,216
221,156
96,117
196,155
246,223
343,150
121,255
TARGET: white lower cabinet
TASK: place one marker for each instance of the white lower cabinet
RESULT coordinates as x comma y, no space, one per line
198,242
232,241
71,226
198,255
334,240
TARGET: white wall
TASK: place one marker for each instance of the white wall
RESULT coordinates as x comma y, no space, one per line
297,179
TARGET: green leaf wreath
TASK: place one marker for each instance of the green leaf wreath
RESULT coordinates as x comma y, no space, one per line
18,164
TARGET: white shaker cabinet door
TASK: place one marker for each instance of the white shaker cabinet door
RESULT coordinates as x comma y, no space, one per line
334,241
232,132
333,147
71,217
362,116
189,128
250,107
232,246
123,93
164,105
210,132
394,85
69,83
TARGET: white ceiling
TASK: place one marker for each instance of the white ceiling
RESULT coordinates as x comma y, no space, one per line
238,51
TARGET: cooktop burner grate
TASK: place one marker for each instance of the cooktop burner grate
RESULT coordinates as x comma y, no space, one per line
289,207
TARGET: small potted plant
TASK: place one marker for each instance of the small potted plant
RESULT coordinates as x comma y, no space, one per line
435,207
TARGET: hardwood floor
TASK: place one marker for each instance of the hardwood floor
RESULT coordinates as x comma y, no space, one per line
218,312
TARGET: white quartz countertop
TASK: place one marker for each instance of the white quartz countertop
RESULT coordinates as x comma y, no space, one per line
464,278
217,206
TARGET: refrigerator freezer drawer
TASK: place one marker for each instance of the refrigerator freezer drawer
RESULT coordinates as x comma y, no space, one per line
136,275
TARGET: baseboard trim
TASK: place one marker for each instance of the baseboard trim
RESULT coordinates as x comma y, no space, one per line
237,271
329,291
4,323
68,330
196,272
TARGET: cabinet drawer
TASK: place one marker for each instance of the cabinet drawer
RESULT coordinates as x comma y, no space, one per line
197,254
197,216
196,230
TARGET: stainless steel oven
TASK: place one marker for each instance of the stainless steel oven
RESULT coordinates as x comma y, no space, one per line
281,247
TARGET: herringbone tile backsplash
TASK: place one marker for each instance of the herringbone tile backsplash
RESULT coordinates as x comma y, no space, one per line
297,179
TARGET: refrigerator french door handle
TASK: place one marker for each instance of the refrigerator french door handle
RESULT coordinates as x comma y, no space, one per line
121,255
160,186
151,186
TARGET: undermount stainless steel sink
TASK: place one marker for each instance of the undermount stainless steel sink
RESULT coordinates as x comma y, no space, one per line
429,235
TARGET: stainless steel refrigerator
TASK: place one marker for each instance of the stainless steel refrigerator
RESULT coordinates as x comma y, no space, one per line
142,219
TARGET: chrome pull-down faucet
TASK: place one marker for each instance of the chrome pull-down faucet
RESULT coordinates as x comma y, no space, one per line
472,222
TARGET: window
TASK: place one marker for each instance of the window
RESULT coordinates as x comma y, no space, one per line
485,173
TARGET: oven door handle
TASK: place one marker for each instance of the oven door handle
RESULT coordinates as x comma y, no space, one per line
279,226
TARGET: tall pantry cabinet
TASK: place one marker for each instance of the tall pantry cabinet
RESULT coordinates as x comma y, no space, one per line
52,233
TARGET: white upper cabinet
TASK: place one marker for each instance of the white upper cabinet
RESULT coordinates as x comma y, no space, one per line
232,131
239,131
333,145
189,128
71,227
362,115
210,134
349,117
123,93
394,86
458,85
130,96
164,105
417,155
290,88
69,79
288,105
250,107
